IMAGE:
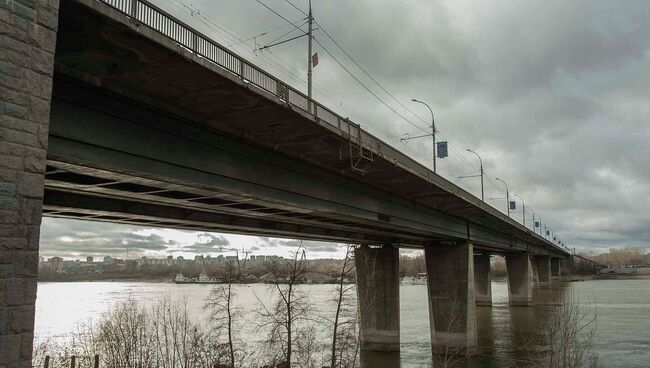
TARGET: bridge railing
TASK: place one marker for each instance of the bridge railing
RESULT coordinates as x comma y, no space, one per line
145,13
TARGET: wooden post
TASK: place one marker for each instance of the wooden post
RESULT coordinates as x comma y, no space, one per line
73,361
96,361
47,362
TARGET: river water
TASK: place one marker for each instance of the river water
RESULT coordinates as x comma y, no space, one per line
621,341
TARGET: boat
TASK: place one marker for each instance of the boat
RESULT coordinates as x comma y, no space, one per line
202,279
420,279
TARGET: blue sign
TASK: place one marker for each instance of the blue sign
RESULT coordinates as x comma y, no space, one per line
513,205
536,223
441,147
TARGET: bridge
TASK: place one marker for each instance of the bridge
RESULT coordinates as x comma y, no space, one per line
115,111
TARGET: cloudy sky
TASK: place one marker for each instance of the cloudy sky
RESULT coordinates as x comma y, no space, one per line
554,95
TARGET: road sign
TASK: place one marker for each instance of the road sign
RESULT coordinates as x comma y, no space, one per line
513,205
441,147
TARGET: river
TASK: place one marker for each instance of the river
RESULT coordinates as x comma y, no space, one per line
621,341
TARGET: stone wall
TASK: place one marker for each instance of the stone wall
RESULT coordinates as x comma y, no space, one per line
27,42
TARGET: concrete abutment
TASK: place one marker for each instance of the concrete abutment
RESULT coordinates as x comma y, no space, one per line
27,42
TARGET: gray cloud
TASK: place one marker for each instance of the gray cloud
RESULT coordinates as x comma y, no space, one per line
86,238
209,243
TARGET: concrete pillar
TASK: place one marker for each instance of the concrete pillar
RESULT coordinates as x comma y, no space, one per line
452,309
543,266
482,279
520,279
27,42
533,268
378,297
566,266
555,269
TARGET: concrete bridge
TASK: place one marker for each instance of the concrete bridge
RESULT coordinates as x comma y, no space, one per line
115,111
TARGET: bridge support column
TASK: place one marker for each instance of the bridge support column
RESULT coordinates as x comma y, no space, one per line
482,280
555,269
543,265
566,266
378,297
533,268
520,279
452,309
27,42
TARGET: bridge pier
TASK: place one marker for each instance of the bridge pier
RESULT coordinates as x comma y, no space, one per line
543,266
555,269
482,279
28,38
452,309
378,297
520,279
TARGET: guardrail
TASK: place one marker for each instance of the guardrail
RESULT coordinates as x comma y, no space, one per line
145,13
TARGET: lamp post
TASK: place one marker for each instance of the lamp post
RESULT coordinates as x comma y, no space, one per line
523,208
433,131
481,175
507,195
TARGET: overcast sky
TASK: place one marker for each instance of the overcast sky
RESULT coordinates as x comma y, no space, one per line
554,95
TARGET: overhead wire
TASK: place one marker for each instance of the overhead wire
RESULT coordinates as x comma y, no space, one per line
211,23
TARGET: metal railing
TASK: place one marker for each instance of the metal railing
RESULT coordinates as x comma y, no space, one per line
144,13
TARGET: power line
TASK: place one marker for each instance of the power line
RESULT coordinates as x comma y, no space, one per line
276,13
297,8
279,37
368,74
259,35
366,87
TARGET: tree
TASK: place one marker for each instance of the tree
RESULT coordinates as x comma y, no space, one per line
345,342
287,318
223,314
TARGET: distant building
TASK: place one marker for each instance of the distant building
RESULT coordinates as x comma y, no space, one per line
89,259
108,260
55,264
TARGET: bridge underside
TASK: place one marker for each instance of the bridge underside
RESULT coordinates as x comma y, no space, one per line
143,131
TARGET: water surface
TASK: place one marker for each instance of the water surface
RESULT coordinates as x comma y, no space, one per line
623,313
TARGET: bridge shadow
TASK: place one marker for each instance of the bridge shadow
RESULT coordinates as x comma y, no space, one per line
372,359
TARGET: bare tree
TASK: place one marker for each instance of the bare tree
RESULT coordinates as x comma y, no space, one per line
286,318
564,338
568,336
345,344
223,314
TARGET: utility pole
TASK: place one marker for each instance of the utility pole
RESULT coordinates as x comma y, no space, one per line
507,195
523,208
473,176
310,59
309,54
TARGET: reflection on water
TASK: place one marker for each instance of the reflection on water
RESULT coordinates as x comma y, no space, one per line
504,333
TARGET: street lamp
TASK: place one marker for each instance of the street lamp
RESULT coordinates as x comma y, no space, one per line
507,195
473,176
433,131
523,208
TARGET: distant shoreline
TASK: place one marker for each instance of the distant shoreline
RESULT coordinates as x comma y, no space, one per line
169,280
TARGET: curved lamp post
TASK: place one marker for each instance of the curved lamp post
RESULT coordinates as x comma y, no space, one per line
433,128
507,195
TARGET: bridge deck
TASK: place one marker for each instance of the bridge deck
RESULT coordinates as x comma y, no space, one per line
154,78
